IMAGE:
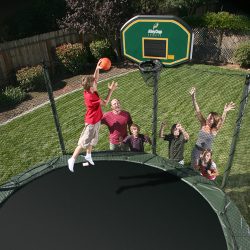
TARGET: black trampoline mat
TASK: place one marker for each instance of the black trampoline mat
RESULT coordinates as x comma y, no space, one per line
114,205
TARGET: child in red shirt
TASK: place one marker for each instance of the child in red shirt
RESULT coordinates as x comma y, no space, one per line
93,116
206,165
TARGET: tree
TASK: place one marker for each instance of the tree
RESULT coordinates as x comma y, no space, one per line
98,17
188,7
28,18
149,7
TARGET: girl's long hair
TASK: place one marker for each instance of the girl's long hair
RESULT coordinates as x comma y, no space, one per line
203,155
217,119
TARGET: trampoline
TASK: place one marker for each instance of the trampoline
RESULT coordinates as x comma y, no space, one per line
120,203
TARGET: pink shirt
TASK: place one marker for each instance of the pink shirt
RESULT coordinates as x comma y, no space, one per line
117,125
93,104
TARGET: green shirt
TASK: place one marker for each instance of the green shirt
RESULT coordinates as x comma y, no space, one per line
176,147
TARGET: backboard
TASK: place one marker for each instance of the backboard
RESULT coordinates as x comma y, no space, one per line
165,38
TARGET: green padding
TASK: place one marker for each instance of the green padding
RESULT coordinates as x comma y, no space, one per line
235,228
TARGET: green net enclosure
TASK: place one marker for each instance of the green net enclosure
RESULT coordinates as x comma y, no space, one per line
32,139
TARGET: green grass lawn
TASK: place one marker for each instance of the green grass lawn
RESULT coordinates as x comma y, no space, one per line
32,139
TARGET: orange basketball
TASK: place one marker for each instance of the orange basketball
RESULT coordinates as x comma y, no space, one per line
105,63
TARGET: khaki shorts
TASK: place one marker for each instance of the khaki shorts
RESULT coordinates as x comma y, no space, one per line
89,135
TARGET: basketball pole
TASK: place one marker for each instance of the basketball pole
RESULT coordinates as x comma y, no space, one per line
150,71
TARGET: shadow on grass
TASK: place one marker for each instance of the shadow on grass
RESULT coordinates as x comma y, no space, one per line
238,181
59,84
238,189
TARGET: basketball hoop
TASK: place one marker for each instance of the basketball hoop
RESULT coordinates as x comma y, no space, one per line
150,71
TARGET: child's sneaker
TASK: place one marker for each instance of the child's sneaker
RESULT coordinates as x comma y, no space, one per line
71,162
89,159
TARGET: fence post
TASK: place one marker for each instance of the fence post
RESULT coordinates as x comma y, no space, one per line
53,107
243,104
221,34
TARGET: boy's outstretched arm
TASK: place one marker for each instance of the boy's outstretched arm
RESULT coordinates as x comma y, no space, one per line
184,132
111,86
161,132
97,71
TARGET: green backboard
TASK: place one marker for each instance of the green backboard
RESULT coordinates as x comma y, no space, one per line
166,38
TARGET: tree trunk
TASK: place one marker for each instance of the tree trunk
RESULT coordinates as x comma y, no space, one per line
115,43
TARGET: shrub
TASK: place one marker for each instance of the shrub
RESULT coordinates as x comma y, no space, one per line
71,58
225,20
12,96
242,54
220,20
31,78
101,48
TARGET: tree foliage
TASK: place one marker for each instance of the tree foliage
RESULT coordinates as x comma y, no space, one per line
98,17
220,20
187,7
32,18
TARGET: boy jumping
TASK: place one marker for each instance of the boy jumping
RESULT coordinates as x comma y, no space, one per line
93,116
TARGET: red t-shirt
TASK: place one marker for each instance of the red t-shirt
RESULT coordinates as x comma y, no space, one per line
117,125
93,104
204,172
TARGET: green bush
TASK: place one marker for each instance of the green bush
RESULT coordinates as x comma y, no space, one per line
101,48
242,54
12,96
71,58
220,20
31,78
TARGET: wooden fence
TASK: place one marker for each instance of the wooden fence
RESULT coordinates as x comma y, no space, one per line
31,51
